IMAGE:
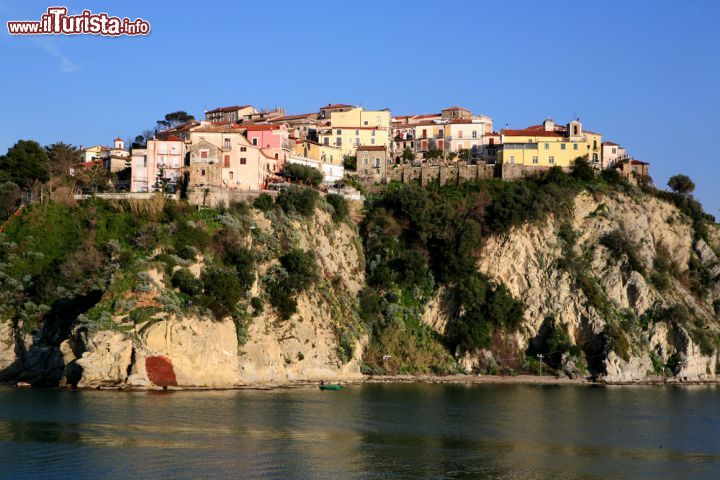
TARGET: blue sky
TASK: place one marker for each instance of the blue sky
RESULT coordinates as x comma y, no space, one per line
646,74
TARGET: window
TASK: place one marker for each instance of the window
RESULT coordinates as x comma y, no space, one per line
338,141
423,145
326,141
365,161
492,141
547,146
357,141
614,150
276,156
424,133
203,154
377,163
357,132
474,134
202,172
255,141
243,160
551,159
575,130
365,122
372,133
338,132
440,132
227,161
575,147
535,159
372,141
459,133
562,146
243,149
231,175
228,145
512,158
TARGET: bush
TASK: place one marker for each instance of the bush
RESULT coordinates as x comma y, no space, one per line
301,268
308,175
264,202
618,244
339,205
299,200
223,291
185,281
243,261
257,305
298,273
581,170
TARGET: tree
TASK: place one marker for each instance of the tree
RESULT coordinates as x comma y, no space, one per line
464,155
433,154
681,184
308,175
408,155
582,170
175,119
94,179
451,156
9,198
350,162
63,157
24,163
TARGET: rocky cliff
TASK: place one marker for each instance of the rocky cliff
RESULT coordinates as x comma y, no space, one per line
624,287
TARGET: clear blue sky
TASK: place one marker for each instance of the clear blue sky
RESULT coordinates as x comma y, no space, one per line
646,74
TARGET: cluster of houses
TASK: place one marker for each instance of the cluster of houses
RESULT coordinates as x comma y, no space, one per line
241,148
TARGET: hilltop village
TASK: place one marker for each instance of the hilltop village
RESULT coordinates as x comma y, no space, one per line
240,150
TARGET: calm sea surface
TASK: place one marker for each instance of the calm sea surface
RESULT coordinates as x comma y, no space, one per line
368,431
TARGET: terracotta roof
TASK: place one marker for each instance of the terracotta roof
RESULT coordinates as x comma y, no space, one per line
259,127
118,138
94,163
173,138
228,109
529,132
372,148
638,162
355,128
293,117
612,144
455,107
335,105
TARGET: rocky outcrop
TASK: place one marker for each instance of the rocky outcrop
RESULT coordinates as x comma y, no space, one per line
526,260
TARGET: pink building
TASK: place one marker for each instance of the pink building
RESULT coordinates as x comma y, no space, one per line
268,136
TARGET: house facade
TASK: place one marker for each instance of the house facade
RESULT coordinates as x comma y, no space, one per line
612,153
357,127
549,145
372,163
229,114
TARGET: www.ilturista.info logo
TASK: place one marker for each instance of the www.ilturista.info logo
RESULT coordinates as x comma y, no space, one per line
57,22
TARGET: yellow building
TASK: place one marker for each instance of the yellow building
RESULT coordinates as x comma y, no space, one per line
550,145
317,151
357,127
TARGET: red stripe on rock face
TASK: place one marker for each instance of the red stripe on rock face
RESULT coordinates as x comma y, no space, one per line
160,371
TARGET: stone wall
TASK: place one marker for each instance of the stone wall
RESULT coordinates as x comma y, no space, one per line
459,172
213,196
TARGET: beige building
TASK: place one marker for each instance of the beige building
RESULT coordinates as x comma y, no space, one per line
160,164
372,163
357,127
242,166
229,114
612,153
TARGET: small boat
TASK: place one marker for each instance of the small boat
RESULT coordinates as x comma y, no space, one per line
335,386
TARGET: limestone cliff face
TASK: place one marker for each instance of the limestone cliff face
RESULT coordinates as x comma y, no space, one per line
526,261
197,351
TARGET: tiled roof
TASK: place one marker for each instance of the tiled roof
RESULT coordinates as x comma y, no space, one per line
612,144
529,132
336,105
228,109
372,148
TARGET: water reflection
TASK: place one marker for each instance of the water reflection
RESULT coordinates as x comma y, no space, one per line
370,431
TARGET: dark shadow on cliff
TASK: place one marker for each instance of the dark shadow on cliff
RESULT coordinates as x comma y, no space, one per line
43,362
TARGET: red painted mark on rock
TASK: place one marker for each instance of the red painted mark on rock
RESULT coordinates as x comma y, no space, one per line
160,371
